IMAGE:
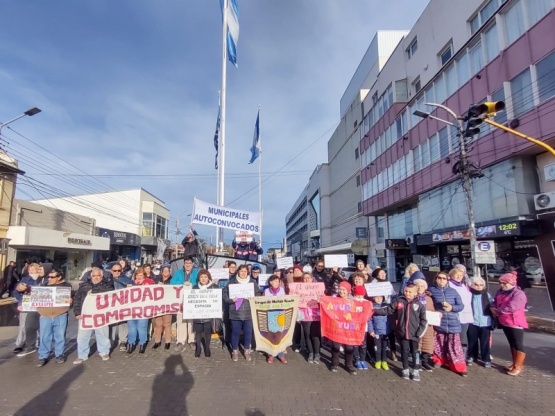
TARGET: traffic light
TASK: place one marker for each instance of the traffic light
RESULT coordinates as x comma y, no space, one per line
477,113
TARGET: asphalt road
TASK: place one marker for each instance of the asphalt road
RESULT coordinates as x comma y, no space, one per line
169,383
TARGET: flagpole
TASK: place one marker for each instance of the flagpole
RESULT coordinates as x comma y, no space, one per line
260,175
221,155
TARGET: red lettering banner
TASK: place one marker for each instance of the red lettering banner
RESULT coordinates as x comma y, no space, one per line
344,320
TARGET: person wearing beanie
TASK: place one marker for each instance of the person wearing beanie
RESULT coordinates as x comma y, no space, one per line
344,292
426,344
297,273
508,306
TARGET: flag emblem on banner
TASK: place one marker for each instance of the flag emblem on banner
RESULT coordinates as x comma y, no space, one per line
274,324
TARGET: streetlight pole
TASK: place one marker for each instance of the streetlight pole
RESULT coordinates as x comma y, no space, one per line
465,175
30,112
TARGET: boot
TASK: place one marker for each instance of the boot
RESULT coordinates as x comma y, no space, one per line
167,346
512,366
142,348
156,345
349,363
519,364
130,347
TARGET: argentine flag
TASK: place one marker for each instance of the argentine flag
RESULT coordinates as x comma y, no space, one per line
232,17
255,149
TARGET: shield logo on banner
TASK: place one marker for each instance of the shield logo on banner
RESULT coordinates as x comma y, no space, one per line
274,324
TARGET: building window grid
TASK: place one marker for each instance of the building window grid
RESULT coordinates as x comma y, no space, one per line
413,47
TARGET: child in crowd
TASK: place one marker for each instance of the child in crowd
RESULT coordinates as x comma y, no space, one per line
411,324
343,291
379,329
360,351
203,327
275,289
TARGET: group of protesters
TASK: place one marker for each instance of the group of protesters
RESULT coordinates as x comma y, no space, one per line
468,315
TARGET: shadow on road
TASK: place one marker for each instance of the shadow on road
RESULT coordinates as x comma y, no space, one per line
53,400
170,389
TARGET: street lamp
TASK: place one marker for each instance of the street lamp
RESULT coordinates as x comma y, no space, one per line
177,231
30,112
465,173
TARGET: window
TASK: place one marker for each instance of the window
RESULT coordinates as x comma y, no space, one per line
545,70
417,85
399,126
499,95
514,23
463,71
474,24
441,93
358,180
476,60
360,207
483,15
429,95
390,95
443,143
446,54
413,47
416,156
521,93
356,153
425,150
434,148
537,9
450,80
492,43
147,224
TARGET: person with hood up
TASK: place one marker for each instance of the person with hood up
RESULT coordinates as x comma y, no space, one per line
412,272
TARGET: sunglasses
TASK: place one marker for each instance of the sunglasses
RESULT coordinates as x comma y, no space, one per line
53,277
441,278
116,270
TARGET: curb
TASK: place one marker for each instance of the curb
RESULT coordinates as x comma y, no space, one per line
541,324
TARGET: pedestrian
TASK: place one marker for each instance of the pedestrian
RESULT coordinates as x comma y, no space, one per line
412,272
149,274
118,331
448,350
364,269
344,292
53,323
256,269
163,323
379,328
508,306
297,331
479,331
310,323
379,279
240,314
457,281
319,273
359,352
96,284
203,327
426,345
9,278
410,315
190,244
138,328
275,289
186,276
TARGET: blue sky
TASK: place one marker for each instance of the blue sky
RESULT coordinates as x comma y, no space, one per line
130,87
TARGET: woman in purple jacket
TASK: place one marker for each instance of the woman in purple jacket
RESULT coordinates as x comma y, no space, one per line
508,306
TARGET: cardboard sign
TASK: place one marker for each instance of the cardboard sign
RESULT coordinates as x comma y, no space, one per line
263,280
284,262
137,302
202,303
379,289
241,290
336,260
344,320
273,321
219,274
46,297
309,293
433,318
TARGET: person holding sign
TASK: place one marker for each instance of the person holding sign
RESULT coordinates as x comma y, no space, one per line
240,310
427,340
53,324
448,350
203,327
275,289
187,276
163,323
138,328
310,323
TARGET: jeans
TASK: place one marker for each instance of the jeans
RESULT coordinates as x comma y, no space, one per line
380,346
236,327
102,336
409,346
20,341
203,330
52,328
360,350
118,332
138,331
478,342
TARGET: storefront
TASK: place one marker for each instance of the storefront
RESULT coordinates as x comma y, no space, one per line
69,252
122,245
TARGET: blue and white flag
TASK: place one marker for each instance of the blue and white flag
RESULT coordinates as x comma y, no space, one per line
216,137
232,17
255,149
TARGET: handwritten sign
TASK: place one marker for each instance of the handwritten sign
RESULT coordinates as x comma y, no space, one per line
378,289
202,303
433,318
344,320
263,280
309,293
336,260
219,274
284,262
241,290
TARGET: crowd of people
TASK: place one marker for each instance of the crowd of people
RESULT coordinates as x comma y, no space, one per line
463,336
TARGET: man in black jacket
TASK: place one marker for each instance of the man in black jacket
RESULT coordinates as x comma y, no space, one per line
190,244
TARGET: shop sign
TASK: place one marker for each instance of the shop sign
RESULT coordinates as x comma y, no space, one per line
361,232
396,244
380,254
520,244
119,237
485,252
79,241
488,231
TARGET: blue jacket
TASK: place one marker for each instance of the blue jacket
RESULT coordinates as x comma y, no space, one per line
178,278
379,324
122,282
29,281
450,323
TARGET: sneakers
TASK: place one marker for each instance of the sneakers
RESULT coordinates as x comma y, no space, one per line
297,349
311,358
123,346
469,361
270,359
17,350
378,365
416,375
406,374
283,360
61,359
364,365
235,355
358,365
334,369
42,362
27,351
248,355
105,357
316,359
78,361
487,364
426,366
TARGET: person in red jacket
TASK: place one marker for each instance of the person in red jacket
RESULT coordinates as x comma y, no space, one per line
138,328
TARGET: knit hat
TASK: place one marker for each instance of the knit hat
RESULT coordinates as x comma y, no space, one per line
508,278
307,268
298,267
346,286
358,291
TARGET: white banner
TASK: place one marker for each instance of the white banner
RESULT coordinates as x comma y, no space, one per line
284,262
241,291
219,273
218,216
336,260
379,289
202,303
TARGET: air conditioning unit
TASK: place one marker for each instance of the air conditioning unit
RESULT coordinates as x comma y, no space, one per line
544,201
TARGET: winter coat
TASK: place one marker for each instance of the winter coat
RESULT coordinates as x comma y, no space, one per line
190,248
158,280
85,289
29,281
510,306
428,339
379,324
410,316
179,277
481,308
242,250
320,277
450,323
465,316
122,282
244,311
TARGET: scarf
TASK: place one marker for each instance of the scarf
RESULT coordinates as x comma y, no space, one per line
242,280
485,300
422,299
204,286
274,291
459,284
